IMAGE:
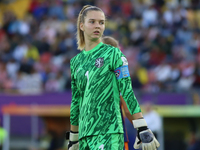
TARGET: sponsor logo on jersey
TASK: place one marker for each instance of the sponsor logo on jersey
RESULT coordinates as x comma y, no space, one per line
99,62
125,62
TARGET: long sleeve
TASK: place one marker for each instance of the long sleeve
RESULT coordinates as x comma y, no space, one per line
120,67
74,111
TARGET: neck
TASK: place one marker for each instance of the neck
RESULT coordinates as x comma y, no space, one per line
91,44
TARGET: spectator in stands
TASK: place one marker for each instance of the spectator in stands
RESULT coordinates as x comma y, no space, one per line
149,31
149,16
32,53
20,51
153,118
195,142
197,75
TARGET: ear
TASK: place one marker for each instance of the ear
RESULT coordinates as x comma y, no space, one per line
82,26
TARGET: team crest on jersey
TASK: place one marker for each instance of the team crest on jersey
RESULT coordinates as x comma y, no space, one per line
99,62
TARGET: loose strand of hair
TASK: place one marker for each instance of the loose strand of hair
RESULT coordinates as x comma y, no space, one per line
80,35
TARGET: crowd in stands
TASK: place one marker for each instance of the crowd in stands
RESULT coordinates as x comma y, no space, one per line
161,40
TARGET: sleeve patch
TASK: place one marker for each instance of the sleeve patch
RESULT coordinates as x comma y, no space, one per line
122,72
124,60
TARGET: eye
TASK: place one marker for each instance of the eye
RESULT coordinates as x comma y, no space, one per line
92,21
102,22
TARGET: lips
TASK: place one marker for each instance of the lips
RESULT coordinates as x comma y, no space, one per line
96,32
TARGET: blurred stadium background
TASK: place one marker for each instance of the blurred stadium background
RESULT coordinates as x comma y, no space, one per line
161,39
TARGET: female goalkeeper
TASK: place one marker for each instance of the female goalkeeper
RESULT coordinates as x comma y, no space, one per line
98,73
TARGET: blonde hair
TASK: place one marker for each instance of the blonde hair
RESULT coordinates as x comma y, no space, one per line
81,18
110,41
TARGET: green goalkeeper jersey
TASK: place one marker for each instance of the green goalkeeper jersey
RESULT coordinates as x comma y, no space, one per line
97,76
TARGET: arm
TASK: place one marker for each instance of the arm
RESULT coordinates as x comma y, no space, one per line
74,114
74,128
125,108
144,137
127,112
120,68
74,110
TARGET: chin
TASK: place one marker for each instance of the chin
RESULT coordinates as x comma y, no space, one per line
95,38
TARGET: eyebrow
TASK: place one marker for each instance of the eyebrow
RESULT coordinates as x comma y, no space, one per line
96,19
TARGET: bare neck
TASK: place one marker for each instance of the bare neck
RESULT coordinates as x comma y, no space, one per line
91,44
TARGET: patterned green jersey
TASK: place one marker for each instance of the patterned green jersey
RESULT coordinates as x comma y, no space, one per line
97,77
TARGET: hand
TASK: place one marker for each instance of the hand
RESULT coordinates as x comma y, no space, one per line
144,136
147,140
73,143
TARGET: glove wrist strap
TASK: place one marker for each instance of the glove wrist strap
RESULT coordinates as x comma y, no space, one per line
139,123
73,136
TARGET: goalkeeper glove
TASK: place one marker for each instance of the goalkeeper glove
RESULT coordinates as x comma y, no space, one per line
144,136
73,143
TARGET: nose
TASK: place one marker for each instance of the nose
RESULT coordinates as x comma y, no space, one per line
97,25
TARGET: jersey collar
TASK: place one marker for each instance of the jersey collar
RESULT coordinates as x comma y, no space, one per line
94,49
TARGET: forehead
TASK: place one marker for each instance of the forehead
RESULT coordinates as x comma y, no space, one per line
97,15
